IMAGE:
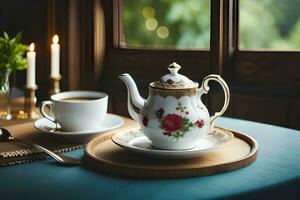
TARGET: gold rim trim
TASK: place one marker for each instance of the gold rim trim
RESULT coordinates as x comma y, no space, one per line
176,92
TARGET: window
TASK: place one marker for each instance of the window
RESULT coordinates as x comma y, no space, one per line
141,49
166,24
266,54
242,38
269,24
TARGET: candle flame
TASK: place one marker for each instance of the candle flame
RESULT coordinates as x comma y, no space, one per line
55,39
31,47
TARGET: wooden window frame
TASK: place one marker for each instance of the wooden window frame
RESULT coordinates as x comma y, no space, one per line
274,73
196,63
146,65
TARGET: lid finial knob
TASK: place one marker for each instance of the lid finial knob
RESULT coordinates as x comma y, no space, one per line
174,68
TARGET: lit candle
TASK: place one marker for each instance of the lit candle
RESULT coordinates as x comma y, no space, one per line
55,57
30,83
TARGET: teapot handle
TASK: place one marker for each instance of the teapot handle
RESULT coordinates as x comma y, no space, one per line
205,88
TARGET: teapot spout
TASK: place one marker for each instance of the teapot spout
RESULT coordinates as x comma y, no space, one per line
134,101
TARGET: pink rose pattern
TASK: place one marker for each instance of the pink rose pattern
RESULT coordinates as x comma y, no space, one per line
175,125
199,123
171,123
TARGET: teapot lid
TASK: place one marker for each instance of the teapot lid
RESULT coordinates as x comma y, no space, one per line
174,80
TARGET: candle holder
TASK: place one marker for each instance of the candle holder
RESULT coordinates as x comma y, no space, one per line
30,101
54,85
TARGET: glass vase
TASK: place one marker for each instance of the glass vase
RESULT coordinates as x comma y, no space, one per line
5,110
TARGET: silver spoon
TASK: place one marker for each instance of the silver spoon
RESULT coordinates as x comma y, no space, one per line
6,136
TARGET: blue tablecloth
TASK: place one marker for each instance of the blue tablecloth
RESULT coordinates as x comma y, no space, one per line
275,174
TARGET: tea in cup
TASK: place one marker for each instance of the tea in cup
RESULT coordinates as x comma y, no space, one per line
76,110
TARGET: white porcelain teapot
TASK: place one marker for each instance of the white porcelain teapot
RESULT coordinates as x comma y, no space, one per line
173,117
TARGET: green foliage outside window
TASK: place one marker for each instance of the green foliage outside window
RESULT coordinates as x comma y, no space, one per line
167,23
264,24
271,24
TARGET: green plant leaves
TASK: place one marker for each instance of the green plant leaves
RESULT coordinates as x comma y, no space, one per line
12,53
5,35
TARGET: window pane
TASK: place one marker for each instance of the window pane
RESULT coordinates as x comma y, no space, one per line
167,23
269,24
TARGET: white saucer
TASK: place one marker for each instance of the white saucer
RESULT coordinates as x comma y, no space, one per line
136,141
110,122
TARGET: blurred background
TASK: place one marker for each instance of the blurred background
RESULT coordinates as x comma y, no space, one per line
253,44
264,24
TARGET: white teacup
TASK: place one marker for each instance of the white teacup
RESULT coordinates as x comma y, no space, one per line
76,110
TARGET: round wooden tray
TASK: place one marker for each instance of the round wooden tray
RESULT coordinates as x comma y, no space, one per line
103,154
